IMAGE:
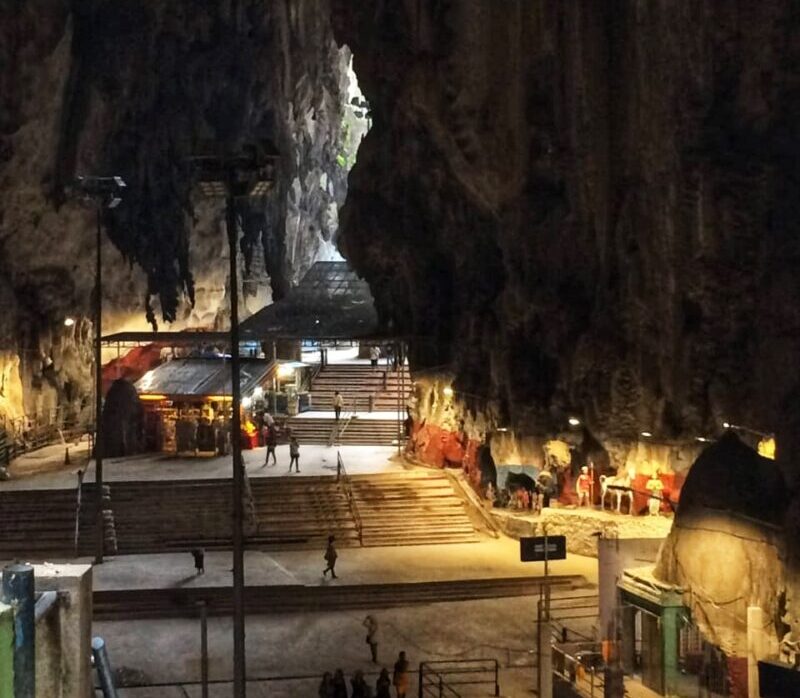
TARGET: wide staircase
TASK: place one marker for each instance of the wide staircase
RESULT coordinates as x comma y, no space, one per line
411,508
32,524
403,508
351,430
363,388
181,514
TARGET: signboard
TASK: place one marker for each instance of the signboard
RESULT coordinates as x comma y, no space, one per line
533,549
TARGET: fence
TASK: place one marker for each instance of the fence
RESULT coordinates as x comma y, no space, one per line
24,434
579,664
443,679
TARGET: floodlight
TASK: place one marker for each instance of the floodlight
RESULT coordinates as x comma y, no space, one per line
574,422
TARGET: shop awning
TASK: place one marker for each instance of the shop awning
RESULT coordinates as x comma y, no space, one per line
202,377
331,302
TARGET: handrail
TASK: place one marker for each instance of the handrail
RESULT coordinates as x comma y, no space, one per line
344,480
440,678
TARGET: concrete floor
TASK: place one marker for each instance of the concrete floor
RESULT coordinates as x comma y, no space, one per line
287,649
314,460
489,559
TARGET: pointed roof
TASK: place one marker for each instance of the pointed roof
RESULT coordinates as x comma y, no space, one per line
330,302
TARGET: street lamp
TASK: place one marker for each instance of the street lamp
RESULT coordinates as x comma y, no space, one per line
103,192
249,172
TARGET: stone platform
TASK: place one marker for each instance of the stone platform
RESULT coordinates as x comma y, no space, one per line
581,526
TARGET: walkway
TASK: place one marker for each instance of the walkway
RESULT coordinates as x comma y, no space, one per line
315,460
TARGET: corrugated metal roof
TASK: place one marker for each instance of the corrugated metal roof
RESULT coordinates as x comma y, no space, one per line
331,302
202,376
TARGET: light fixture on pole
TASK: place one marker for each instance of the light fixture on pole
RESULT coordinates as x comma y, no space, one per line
103,192
248,172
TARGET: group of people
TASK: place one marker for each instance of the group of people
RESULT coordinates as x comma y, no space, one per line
269,435
335,685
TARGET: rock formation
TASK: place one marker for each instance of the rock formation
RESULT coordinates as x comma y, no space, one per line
585,207
129,88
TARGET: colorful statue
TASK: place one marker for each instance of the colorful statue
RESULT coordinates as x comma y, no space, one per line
583,487
655,486
618,487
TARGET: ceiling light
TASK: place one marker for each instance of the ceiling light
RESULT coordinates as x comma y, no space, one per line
285,371
646,434
727,425
503,429
68,322
702,439
246,402
574,422
448,391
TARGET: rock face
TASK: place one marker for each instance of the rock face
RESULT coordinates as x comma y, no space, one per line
585,207
129,88
591,208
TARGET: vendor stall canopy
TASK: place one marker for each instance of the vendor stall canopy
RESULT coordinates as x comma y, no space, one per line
202,376
331,302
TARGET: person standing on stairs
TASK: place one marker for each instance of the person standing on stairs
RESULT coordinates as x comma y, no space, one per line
330,557
294,454
338,403
374,355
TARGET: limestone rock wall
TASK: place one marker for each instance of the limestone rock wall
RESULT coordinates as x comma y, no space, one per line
128,88
591,208
587,206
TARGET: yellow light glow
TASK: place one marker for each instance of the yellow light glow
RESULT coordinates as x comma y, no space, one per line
574,422
285,371
68,322
766,447
448,391
646,434
152,397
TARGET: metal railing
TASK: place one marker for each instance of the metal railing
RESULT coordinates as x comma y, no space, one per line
344,482
26,434
442,679
570,666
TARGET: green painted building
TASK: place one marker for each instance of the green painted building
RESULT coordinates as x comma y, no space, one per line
651,617
6,652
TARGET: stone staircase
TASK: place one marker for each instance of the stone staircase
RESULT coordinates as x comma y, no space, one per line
34,523
411,508
351,430
403,508
365,389
180,514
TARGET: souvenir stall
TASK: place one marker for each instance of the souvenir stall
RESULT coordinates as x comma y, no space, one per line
188,403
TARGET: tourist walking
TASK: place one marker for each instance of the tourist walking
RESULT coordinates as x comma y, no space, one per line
400,678
372,636
271,441
361,688
374,355
294,454
326,686
339,684
330,557
338,403
383,685
199,556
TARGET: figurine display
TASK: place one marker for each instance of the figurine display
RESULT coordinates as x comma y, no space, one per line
583,487
655,487
618,487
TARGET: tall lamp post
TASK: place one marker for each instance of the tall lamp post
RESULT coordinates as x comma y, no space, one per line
241,174
104,192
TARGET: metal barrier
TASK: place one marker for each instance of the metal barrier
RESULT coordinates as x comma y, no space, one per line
443,678
581,674
25,434
344,481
